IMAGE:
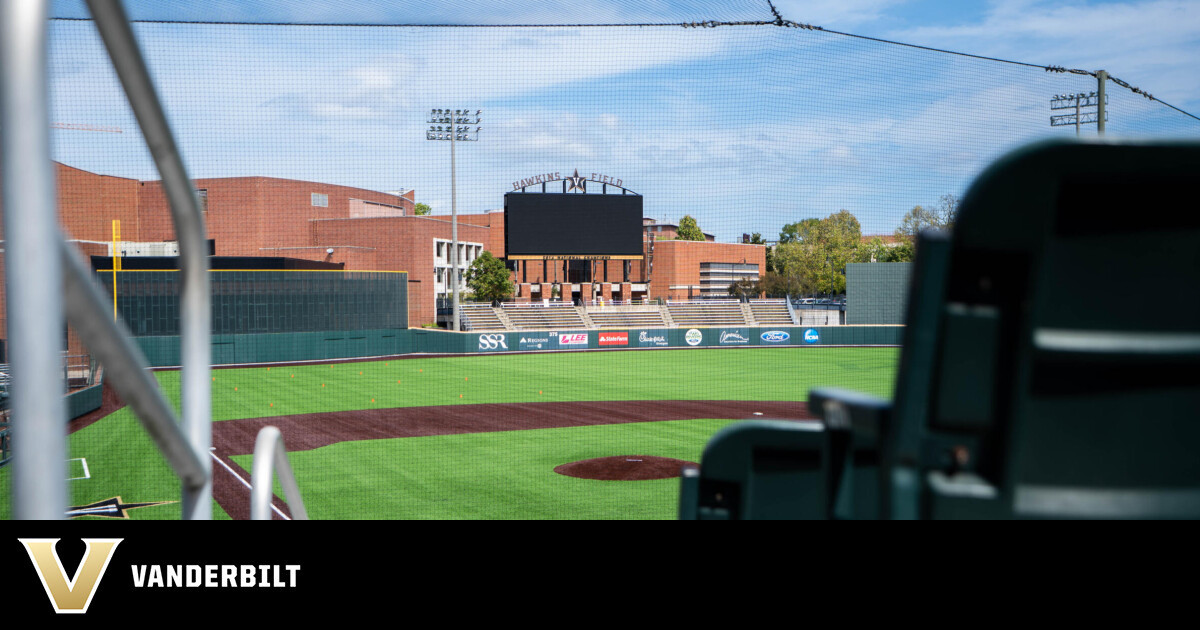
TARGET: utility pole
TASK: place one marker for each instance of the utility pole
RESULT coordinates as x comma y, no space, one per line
454,126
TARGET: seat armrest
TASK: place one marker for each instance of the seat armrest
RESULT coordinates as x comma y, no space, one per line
843,409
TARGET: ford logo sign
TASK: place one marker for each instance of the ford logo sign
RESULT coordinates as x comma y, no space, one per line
775,336
811,336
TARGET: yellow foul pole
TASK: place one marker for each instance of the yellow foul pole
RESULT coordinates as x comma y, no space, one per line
116,261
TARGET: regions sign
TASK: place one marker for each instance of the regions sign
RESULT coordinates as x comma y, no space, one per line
493,342
535,341
647,339
614,339
775,336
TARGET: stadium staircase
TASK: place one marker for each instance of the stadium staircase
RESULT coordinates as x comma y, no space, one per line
479,316
707,313
770,313
542,317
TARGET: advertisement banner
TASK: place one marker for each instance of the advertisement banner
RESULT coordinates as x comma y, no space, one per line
693,337
811,336
734,337
572,340
614,338
652,338
775,337
536,341
493,342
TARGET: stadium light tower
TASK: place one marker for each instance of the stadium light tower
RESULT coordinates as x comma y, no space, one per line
453,126
1097,99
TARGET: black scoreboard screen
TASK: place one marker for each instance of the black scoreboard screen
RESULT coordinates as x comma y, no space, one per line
541,226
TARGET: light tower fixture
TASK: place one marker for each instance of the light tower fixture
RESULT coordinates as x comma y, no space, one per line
1081,101
454,126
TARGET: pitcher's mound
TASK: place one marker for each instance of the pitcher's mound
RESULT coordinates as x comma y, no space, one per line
624,468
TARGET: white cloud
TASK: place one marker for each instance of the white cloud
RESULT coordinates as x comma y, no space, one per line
1151,43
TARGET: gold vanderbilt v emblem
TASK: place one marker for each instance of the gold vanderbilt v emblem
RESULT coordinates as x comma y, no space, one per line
74,595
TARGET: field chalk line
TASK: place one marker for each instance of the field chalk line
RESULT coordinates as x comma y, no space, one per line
244,482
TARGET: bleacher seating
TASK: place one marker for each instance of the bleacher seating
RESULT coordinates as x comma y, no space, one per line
771,312
479,316
1022,391
626,318
541,317
707,313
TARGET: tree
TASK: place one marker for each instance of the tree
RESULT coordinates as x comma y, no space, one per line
489,279
757,239
876,250
814,256
688,230
941,217
795,232
422,209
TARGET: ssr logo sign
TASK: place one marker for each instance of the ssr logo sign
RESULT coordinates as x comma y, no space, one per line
493,342
775,336
614,339
693,337
811,336
72,596
572,339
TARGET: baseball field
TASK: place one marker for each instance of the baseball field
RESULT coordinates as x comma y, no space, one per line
580,435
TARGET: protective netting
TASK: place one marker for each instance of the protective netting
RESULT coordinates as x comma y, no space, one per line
305,127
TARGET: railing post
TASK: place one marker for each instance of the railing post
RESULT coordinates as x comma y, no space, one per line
34,298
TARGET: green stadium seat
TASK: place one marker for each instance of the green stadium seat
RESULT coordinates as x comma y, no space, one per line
1049,367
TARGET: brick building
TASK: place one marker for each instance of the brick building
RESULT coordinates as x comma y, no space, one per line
377,231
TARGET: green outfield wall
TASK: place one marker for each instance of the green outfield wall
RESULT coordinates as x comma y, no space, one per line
876,293
317,346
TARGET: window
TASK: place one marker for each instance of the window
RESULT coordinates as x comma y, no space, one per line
319,200
202,194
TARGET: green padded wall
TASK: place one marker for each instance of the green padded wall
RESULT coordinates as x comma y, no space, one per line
876,292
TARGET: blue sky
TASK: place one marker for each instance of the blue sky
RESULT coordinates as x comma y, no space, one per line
745,128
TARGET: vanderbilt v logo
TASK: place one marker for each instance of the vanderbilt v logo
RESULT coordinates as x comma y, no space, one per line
72,596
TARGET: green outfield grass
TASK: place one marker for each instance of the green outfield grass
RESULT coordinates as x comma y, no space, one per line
485,475
693,374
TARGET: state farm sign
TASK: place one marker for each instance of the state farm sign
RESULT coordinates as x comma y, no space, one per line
614,339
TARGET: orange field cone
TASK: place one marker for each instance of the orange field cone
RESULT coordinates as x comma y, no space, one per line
235,389
460,395
293,376
372,400
272,404
466,378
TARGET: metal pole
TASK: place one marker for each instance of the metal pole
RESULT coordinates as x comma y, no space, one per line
34,273
194,304
454,221
1102,79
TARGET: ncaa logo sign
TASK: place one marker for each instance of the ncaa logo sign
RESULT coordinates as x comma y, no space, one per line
493,342
811,336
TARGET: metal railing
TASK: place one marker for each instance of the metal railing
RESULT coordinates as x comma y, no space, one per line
41,289
268,451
